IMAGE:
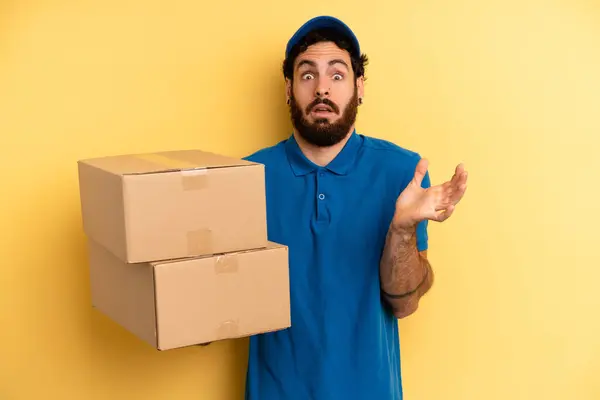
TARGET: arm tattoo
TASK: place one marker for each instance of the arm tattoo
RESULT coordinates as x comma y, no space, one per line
405,274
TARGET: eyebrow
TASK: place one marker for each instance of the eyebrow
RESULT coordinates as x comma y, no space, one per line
313,64
339,61
306,62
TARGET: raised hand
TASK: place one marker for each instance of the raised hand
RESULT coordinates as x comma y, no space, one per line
435,203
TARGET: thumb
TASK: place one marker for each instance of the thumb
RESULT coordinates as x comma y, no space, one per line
420,171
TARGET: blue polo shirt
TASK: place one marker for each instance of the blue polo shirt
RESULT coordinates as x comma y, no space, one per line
343,343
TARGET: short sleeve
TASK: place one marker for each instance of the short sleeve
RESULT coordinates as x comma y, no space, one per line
422,238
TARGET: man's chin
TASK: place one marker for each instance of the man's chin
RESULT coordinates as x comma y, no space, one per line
321,122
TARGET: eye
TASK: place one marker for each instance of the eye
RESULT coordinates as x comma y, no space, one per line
338,77
307,75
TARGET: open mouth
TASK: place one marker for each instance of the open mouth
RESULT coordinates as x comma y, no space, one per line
322,110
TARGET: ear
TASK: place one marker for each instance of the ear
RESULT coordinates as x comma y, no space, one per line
360,85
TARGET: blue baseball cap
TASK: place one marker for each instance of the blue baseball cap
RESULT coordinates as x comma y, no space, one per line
321,22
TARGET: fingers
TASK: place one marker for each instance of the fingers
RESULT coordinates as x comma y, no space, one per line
456,187
458,191
460,168
459,178
420,171
449,194
457,174
445,214
442,196
442,199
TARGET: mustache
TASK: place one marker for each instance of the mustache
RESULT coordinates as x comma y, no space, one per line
327,102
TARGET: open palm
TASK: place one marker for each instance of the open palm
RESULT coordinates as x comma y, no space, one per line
435,203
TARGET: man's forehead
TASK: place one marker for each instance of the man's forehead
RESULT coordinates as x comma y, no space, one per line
323,53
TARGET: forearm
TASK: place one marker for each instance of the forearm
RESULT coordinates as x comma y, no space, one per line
405,274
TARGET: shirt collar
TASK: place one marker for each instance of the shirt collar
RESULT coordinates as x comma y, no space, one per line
339,165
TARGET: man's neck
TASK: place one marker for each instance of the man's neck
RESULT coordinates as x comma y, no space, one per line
321,156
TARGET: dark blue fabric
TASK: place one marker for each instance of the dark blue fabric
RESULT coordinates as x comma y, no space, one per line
320,22
343,343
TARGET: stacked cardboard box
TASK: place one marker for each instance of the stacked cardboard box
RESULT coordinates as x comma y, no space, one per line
178,249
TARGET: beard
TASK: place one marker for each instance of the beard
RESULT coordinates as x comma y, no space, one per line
321,132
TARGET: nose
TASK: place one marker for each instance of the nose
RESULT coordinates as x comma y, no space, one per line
322,92
322,89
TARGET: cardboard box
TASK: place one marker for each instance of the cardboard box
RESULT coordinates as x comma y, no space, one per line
179,303
168,205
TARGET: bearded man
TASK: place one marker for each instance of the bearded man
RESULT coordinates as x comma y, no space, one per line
353,211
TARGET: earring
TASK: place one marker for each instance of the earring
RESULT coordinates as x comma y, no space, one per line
288,101
360,100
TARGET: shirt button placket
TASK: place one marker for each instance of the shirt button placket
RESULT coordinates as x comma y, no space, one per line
321,206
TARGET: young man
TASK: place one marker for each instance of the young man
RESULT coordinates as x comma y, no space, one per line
354,211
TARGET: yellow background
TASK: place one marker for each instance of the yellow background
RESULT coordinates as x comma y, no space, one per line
512,88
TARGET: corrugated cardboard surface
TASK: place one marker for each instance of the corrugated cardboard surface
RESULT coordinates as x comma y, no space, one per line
186,302
171,205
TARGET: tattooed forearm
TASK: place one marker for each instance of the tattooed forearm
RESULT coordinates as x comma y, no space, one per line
405,274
